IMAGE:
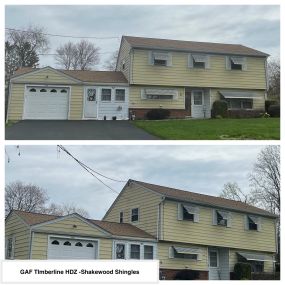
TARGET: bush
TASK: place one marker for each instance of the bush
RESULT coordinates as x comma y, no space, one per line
158,114
186,274
268,103
241,113
220,109
242,271
274,111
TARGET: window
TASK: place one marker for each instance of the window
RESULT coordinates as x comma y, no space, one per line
252,223
197,97
53,91
240,103
63,91
67,243
236,63
78,244
55,242
185,256
184,253
161,58
160,97
198,61
257,266
135,215
188,212
121,217
213,257
135,251
10,248
89,244
148,252
123,65
120,251
33,90
159,94
43,90
187,215
120,95
106,95
91,94
222,218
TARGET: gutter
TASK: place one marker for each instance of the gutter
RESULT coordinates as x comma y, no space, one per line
158,221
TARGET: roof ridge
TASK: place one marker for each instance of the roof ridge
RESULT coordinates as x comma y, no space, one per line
36,213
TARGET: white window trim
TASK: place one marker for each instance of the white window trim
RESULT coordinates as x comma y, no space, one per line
218,259
168,62
111,97
171,255
191,61
119,101
203,100
196,214
134,222
229,65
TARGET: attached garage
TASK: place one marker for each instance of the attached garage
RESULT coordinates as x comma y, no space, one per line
70,248
42,103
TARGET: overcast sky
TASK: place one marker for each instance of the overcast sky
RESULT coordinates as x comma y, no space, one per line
203,169
255,26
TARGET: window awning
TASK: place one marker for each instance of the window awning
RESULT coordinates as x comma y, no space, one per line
189,209
161,92
254,219
160,56
237,60
186,250
256,257
223,214
199,57
238,95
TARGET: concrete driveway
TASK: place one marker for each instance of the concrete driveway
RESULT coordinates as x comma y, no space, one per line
75,130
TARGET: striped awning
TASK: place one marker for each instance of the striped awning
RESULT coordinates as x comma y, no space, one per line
160,56
237,60
256,257
189,209
239,95
186,250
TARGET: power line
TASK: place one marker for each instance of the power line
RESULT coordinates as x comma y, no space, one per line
62,36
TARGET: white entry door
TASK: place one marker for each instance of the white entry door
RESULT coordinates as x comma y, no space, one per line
90,103
213,262
197,104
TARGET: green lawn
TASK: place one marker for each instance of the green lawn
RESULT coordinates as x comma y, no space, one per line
214,129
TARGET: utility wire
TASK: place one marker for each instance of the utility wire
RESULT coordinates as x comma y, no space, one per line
62,36
92,171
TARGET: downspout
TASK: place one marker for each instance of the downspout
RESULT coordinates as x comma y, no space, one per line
266,78
158,230
9,98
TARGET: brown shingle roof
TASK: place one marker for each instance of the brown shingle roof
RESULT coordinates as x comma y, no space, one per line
117,229
203,199
85,75
152,43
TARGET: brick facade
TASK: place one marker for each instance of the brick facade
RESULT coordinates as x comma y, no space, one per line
169,274
174,113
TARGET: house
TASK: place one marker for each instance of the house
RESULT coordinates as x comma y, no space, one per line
184,230
182,76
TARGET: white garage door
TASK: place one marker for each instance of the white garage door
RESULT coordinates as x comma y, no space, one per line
65,248
46,103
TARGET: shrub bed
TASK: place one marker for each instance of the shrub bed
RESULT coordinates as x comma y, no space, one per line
274,111
158,114
242,271
238,114
186,275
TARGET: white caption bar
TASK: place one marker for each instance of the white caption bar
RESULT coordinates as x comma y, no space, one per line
97,271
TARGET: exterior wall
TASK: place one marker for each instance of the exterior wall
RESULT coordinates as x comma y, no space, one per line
16,102
258,103
180,75
180,263
137,102
124,56
16,227
174,113
105,248
76,102
134,196
204,233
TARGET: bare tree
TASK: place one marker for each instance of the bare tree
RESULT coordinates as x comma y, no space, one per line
25,197
83,55
110,63
273,70
65,209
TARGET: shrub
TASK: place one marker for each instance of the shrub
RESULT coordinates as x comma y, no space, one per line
242,113
186,274
264,276
268,103
242,271
158,114
220,108
274,111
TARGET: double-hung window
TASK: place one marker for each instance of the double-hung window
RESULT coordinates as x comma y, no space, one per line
252,223
121,217
199,61
106,94
236,63
188,212
120,95
221,218
160,58
148,252
135,251
135,214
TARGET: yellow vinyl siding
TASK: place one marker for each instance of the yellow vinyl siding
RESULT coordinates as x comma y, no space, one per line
205,233
124,56
105,248
178,263
66,226
137,102
76,102
16,102
16,227
137,197
233,259
258,103
179,74
45,76
39,246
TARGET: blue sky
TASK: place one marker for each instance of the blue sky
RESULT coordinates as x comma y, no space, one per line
253,25
203,169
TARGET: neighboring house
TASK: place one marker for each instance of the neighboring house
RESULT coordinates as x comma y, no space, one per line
182,76
184,230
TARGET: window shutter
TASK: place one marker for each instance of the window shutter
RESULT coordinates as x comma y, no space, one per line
244,64
229,220
143,94
150,57
169,60
207,63
245,222
196,215
259,225
171,252
190,61
228,63
214,217
179,212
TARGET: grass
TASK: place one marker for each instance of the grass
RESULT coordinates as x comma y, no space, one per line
214,129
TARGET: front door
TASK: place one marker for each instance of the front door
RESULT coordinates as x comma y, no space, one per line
198,104
213,264
90,103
